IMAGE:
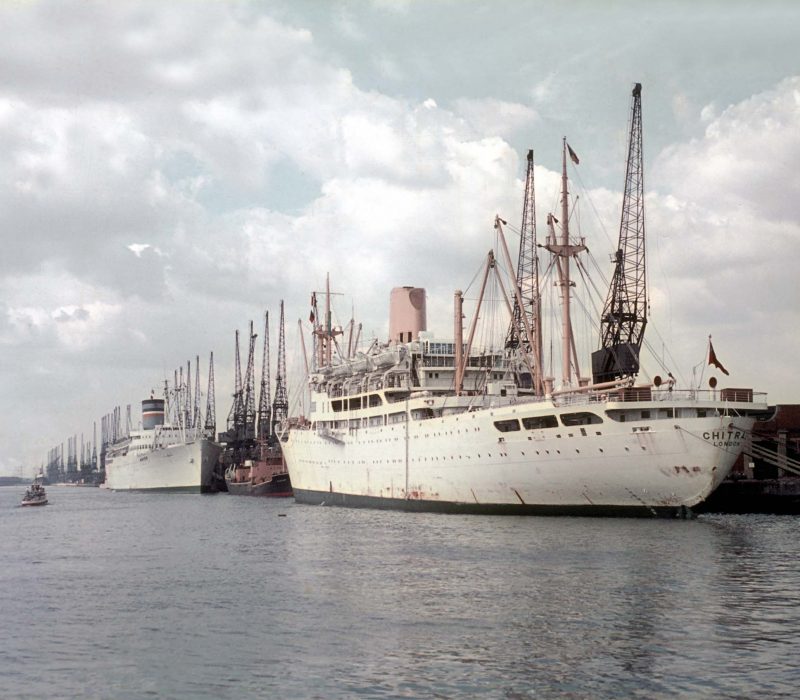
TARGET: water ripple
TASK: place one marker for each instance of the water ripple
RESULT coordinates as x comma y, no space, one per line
137,595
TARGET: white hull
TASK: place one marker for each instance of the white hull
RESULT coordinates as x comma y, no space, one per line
462,462
181,467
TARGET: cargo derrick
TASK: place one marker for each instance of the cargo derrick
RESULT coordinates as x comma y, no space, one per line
624,316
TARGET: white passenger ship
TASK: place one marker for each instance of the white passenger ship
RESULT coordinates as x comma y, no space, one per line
162,456
421,424
394,435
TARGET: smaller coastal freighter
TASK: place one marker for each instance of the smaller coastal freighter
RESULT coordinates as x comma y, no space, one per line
265,476
252,455
35,495
175,455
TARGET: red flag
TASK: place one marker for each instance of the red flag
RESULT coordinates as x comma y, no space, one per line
712,358
573,155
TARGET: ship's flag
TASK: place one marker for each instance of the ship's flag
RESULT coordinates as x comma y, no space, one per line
313,306
712,358
573,155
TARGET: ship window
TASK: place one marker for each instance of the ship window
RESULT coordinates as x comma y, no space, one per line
507,426
397,417
581,418
645,414
701,412
355,403
336,405
374,400
539,422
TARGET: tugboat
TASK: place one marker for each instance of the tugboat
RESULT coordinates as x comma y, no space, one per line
35,495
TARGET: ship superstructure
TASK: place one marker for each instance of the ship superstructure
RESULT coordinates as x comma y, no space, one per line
430,424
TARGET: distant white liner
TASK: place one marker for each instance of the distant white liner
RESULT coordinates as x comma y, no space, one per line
162,459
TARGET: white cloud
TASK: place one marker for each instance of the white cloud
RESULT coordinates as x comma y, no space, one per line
138,248
728,235
746,157
496,117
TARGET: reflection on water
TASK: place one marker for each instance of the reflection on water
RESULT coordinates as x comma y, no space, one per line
120,595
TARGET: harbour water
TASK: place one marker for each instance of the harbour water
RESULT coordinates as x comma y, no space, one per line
131,595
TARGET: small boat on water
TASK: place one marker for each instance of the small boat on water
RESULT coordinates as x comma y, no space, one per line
35,495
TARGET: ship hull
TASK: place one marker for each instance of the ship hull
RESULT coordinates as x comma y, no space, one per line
185,467
425,506
463,464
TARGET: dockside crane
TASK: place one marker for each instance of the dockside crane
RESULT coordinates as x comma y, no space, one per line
264,398
211,404
528,281
249,424
197,398
624,316
236,414
280,404
94,447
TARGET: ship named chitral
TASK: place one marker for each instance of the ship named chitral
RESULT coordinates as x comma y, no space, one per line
422,423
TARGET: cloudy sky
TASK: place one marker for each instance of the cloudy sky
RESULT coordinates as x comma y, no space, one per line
170,170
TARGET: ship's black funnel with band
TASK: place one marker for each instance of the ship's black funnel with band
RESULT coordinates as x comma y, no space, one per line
152,413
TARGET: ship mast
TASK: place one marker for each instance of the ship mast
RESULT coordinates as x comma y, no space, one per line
564,250
324,332
625,313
